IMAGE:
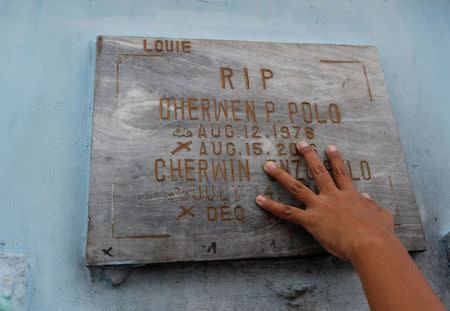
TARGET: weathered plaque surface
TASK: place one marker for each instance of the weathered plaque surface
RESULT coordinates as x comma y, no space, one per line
183,127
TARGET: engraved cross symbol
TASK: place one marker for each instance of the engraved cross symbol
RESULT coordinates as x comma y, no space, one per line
182,146
108,252
186,212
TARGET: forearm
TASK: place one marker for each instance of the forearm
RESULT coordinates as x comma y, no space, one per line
390,278
353,227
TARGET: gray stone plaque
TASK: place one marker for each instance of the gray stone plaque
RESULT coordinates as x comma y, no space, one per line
183,127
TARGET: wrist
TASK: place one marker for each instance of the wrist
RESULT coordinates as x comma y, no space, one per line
373,247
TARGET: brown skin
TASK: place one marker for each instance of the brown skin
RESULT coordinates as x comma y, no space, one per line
352,227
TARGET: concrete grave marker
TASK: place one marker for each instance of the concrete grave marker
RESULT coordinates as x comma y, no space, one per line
183,127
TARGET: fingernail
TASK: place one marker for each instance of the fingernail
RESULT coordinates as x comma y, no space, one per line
366,195
271,165
260,199
332,148
302,144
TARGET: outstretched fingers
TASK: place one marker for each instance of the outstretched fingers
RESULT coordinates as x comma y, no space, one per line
340,174
319,172
298,190
284,211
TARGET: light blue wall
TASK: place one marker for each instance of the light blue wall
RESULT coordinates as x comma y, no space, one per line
45,125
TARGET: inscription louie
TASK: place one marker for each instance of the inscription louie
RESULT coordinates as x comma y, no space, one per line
176,46
182,129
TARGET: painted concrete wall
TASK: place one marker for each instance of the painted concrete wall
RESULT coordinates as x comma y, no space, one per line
46,57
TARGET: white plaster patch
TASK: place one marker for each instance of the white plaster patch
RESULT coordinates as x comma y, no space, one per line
13,282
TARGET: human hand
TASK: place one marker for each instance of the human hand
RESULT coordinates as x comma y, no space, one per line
340,219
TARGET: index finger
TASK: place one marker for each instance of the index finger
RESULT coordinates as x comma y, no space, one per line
298,190
319,172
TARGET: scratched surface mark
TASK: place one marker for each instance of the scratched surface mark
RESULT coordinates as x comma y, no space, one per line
183,127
